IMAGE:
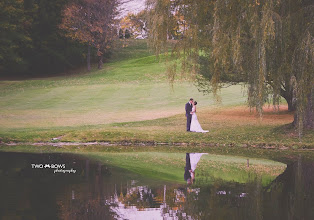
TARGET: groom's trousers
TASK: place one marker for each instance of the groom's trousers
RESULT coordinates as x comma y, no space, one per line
188,122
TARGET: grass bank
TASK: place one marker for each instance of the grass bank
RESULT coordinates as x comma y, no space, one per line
130,100
233,126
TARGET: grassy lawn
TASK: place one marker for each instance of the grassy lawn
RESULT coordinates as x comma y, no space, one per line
131,100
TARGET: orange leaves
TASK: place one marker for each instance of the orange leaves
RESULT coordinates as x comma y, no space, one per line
90,21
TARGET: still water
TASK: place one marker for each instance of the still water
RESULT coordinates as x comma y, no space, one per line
67,186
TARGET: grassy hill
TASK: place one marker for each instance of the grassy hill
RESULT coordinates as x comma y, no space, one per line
130,99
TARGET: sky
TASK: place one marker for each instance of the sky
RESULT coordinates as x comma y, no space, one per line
133,6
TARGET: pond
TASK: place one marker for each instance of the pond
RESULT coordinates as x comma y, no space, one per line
73,186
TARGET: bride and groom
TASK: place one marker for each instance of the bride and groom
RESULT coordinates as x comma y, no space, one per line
192,124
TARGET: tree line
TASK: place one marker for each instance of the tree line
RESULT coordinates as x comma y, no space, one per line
39,37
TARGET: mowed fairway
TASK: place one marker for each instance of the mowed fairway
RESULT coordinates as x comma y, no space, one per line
132,89
131,100
101,103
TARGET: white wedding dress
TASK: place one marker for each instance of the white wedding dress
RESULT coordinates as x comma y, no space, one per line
195,125
194,158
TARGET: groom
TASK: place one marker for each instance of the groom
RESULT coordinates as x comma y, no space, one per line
188,109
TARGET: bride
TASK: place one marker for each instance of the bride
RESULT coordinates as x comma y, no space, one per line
195,125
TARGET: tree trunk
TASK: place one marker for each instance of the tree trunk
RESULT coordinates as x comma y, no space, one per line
88,47
288,96
291,105
88,58
100,62
308,117
309,111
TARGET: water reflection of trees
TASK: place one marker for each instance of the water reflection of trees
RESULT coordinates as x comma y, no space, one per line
292,192
87,200
289,196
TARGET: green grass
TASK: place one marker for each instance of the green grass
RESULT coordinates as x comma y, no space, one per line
100,104
130,99
127,89
167,130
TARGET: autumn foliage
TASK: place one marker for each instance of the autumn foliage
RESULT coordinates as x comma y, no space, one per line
91,22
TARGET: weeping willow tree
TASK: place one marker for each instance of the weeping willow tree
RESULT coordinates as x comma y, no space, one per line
268,44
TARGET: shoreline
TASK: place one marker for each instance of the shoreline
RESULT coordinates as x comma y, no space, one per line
157,144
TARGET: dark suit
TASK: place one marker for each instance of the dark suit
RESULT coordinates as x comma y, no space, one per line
187,174
188,109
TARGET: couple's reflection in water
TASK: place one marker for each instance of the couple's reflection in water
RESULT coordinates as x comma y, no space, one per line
191,160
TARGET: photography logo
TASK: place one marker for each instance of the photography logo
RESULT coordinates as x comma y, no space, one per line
58,168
